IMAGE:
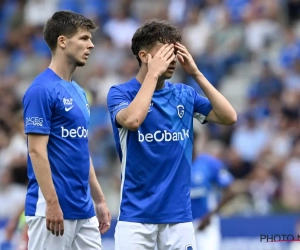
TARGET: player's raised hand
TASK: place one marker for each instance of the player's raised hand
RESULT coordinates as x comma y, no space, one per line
186,60
54,218
103,216
161,60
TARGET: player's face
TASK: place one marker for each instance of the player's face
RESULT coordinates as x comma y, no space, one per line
169,72
79,47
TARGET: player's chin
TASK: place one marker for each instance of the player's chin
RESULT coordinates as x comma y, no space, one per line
80,63
168,74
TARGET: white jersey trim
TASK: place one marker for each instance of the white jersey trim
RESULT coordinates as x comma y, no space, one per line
199,117
41,204
123,132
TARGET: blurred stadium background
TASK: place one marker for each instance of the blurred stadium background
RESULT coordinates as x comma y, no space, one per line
248,49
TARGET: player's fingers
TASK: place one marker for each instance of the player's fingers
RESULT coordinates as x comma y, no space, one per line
104,229
101,225
106,218
171,58
182,49
105,224
61,227
48,224
179,45
161,50
149,58
180,58
184,55
57,228
181,53
167,50
169,54
109,220
52,226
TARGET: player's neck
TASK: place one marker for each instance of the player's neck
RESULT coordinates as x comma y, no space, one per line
62,68
141,77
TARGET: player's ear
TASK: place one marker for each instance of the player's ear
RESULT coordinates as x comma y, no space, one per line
143,55
61,42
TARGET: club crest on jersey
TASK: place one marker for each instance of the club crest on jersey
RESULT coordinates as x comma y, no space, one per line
151,105
67,101
180,110
189,247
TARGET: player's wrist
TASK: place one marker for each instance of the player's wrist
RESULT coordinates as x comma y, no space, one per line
197,75
99,199
153,75
52,200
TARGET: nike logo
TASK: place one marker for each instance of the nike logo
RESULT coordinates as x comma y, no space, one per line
68,109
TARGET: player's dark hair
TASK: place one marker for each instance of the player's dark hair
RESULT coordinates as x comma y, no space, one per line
66,23
152,32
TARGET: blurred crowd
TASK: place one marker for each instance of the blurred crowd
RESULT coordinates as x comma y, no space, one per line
252,40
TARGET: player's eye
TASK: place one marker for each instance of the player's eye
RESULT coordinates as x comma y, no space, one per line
85,38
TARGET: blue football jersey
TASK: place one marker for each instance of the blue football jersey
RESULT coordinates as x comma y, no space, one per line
156,159
207,173
60,109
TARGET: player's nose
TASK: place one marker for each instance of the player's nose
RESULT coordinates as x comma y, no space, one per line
174,60
91,45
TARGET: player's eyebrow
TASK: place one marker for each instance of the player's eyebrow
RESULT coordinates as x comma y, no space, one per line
86,36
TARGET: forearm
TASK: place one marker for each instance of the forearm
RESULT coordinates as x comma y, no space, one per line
221,107
96,191
43,175
228,194
137,110
19,212
13,224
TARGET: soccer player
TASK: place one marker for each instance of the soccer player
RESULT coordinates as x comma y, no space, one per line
152,122
208,174
62,180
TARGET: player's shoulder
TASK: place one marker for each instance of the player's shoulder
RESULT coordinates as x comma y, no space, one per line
129,86
180,88
213,162
45,81
207,158
78,87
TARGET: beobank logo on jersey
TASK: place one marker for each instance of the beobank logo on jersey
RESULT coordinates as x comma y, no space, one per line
80,132
164,135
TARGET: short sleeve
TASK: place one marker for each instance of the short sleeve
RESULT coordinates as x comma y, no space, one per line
222,177
116,101
202,107
37,105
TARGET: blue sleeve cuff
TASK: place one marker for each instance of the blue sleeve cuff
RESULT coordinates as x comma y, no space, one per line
43,131
116,111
